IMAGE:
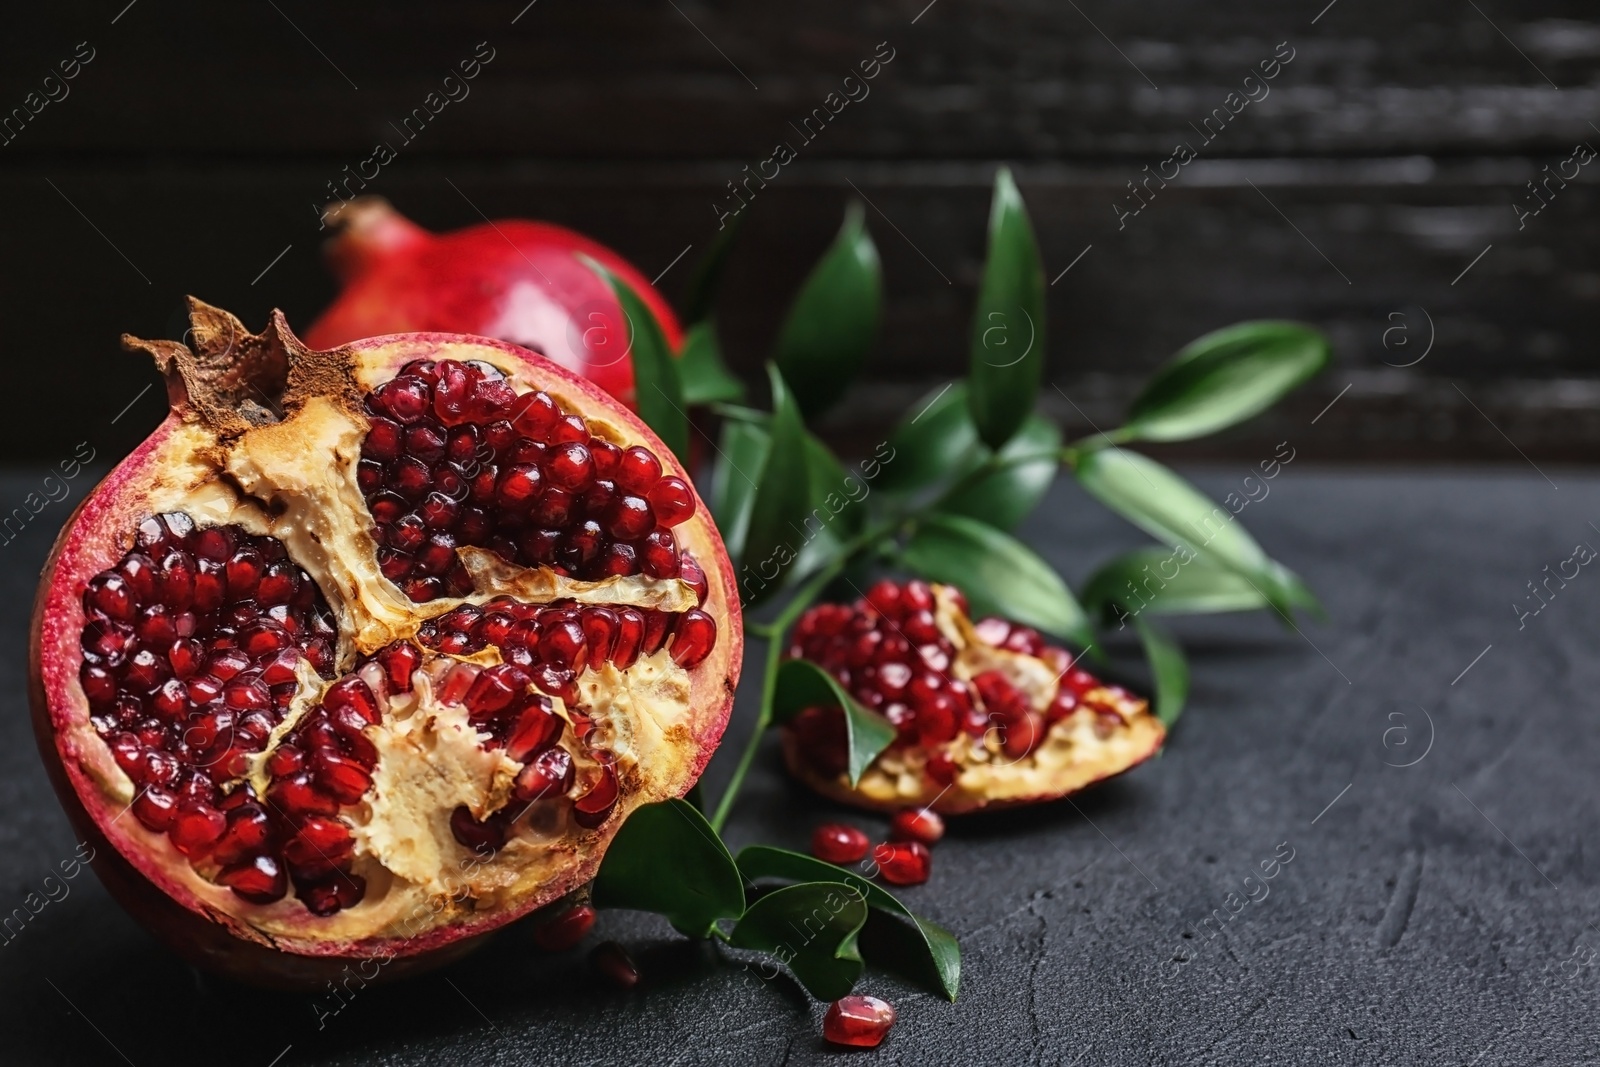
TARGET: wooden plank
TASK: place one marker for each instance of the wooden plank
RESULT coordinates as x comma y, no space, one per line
1020,79
1228,240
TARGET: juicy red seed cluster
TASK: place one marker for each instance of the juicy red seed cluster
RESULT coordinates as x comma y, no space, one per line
189,657
556,642
887,650
454,456
323,766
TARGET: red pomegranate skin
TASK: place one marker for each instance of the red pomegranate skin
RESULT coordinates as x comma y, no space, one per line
513,280
90,540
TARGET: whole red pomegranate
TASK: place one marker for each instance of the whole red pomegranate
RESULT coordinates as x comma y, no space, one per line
986,714
368,652
514,280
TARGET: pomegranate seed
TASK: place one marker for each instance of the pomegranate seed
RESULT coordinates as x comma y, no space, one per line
108,595
354,693
534,414
916,824
672,501
155,807
341,890
1021,735
837,843
260,880
537,728
400,661
658,554
551,774
196,828
592,809
903,862
638,470
599,631
613,961
346,780
629,518
564,931
570,467
693,638
296,795
486,836
858,1021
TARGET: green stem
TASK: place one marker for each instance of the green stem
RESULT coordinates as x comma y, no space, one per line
774,634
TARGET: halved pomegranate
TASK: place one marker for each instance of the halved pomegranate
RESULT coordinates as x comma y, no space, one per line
368,652
986,714
513,279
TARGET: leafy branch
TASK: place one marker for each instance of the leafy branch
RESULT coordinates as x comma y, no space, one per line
939,499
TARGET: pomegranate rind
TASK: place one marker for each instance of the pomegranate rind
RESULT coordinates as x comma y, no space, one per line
514,278
206,923
1110,733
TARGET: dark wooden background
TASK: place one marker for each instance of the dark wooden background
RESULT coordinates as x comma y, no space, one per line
195,147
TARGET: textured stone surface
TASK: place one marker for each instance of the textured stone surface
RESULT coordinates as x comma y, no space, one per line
1438,913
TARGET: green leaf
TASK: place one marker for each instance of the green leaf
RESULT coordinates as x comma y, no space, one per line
1225,378
706,378
1158,501
667,859
937,442
835,511
1006,496
999,574
812,928
762,862
658,391
782,498
834,319
706,277
1008,326
1169,581
1170,669
740,457
802,684
936,435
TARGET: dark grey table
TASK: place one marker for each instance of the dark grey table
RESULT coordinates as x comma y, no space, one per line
1442,912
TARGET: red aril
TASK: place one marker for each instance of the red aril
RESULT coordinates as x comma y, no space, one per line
512,279
916,824
903,862
858,1021
837,843
349,711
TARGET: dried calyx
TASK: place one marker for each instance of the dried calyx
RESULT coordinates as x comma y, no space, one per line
377,645
985,714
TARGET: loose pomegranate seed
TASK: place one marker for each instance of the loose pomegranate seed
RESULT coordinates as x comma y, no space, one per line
838,843
565,930
858,1021
903,862
916,824
613,961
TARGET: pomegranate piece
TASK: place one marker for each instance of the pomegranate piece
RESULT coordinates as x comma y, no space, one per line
982,697
903,862
837,843
916,824
399,277
293,698
858,1021
564,931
